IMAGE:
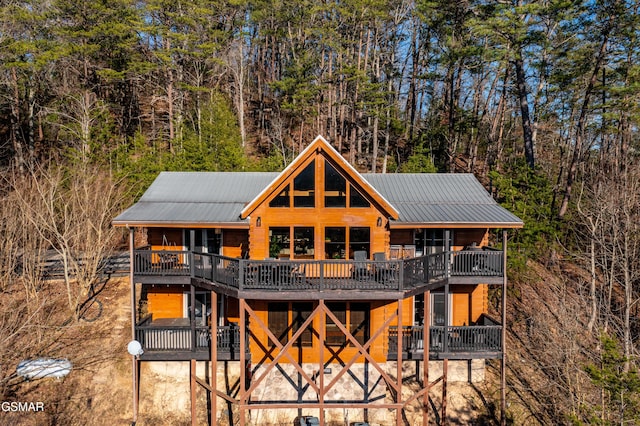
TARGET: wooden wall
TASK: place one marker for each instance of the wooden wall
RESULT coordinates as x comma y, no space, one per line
235,242
165,302
380,311
157,238
317,217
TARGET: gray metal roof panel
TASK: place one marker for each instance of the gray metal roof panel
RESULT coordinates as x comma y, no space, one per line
196,197
441,198
207,187
219,197
169,212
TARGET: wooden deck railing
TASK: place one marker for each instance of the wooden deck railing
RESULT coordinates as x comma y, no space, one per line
164,338
302,275
162,262
459,339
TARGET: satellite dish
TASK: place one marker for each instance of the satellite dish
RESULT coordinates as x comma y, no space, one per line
135,348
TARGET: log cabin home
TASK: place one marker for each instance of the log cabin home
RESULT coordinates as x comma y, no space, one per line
312,272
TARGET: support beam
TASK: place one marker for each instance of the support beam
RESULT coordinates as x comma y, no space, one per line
213,324
399,367
503,367
445,373
193,387
134,361
321,340
426,322
192,317
242,394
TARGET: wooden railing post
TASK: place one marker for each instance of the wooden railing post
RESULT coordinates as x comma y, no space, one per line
214,267
192,322
242,266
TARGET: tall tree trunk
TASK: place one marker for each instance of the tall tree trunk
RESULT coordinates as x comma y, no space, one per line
527,129
497,126
580,128
16,141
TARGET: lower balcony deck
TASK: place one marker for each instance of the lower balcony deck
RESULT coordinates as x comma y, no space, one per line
173,339
465,342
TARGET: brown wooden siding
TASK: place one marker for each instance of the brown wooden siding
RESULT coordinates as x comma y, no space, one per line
479,301
169,238
235,242
401,236
165,303
465,237
379,313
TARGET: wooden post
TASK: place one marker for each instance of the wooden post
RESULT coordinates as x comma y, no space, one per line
242,396
192,382
399,366
503,367
321,338
134,361
445,373
192,317
426,335
445,336
213,324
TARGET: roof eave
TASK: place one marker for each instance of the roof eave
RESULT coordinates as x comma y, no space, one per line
492,225
173,224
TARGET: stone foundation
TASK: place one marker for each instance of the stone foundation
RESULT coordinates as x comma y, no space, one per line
165,389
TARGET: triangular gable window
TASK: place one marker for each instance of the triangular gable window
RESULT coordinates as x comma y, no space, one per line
356,199
282,199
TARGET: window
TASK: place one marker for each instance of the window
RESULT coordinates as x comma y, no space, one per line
335,243
304,187
282,199
437,309
354,317
279,241
359,240
202,308
335,187
431,241
300,312
281,314
206,240
303,243
278,320
333,335
356,199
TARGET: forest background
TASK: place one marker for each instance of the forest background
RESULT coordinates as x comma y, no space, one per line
540,99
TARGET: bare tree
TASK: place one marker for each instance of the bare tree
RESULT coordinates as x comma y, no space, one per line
70,211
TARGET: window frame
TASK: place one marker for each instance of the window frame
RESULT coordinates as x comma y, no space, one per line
331,329
292,324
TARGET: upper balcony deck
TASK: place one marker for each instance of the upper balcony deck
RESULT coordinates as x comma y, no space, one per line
380,279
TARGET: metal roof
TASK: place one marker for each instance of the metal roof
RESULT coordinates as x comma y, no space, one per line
176,198
196,197
441,198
